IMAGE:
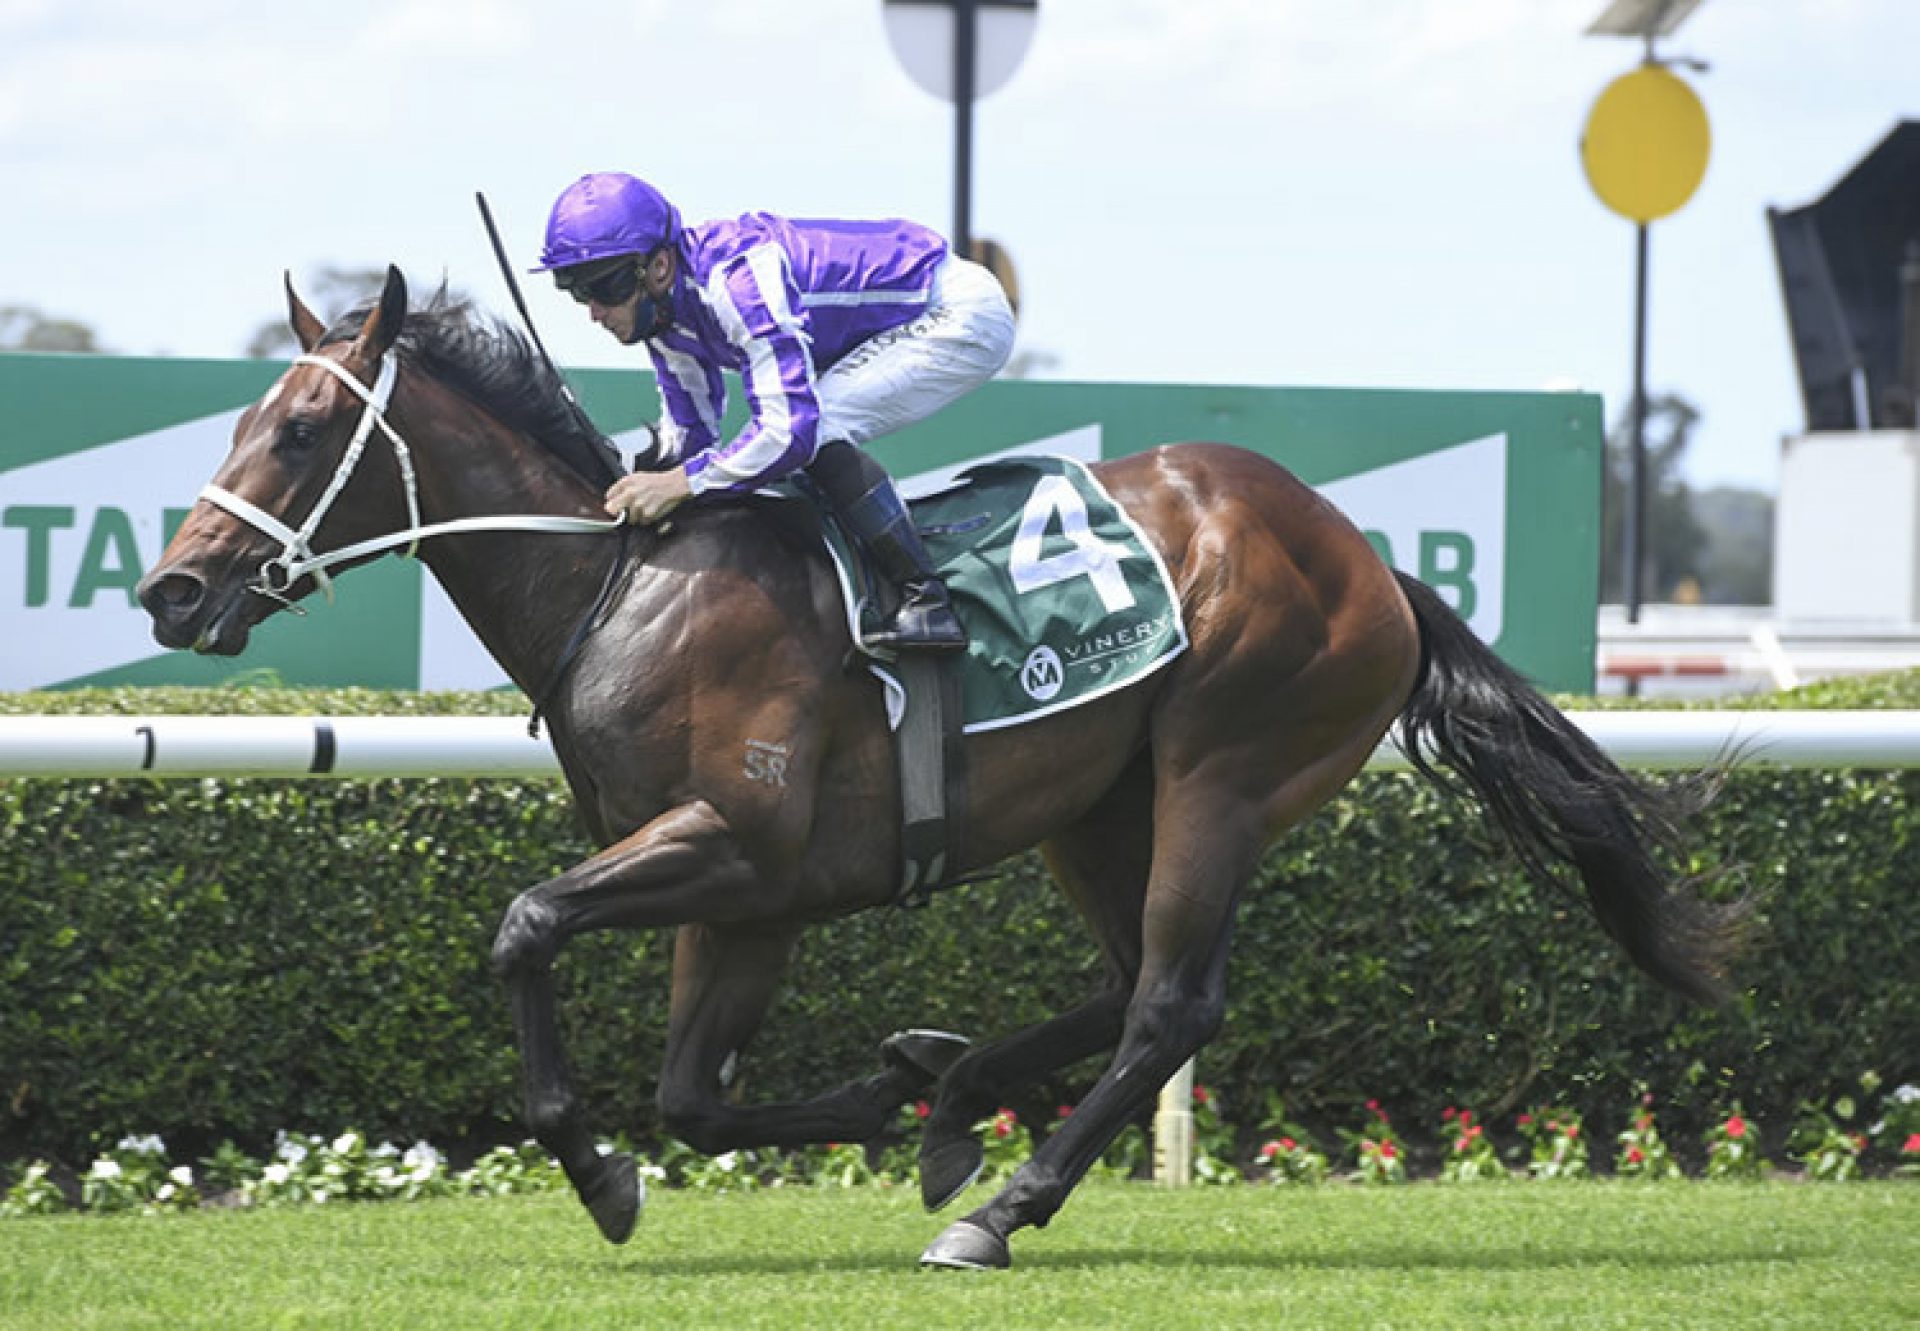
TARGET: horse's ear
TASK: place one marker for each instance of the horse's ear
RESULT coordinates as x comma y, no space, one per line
306,325
383,325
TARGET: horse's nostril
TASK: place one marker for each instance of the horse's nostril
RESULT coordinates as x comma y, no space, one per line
176,594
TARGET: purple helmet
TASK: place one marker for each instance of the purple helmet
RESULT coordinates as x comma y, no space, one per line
603,215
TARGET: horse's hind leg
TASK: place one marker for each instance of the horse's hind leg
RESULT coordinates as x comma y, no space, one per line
1101,864
1176,1005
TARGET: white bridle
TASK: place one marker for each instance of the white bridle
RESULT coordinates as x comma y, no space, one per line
297,559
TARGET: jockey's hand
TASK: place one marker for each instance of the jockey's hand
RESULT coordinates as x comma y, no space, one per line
645,497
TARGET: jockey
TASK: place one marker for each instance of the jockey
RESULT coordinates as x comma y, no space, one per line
840,331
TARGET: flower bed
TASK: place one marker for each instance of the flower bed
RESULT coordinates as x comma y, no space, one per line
138,1175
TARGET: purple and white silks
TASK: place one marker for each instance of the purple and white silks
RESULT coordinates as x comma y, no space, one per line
778,301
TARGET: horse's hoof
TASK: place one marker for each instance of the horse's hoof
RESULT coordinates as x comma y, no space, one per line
964,1246
925,1054
948,1169
615,1196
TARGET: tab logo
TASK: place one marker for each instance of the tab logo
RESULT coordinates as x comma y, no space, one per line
76,533
1443,518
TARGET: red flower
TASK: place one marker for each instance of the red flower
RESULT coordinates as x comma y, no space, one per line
1461,1144
1268,1150
921,1109
1473,1131
1524,1119
1202,1096
1736,1127
1644,1122
1913,1145
1386,1150
1446,1115
1572,1131
1466,1117
1288,1143
1635,1155
1859,1141
1003,1123
1064,1111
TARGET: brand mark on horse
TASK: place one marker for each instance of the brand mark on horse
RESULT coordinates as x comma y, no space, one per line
767,762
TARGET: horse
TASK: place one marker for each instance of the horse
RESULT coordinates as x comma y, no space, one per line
720,632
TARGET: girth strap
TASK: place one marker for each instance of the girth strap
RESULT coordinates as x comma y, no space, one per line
933,773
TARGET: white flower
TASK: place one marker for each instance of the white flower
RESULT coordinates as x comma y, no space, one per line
728,1162
319,1195
276,1174
164,1193
1906,1095
290,1150
147,1145
422,1155
345,1143
182,1175
605,1148
104,1169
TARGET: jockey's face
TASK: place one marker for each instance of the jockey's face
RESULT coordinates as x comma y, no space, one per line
639,311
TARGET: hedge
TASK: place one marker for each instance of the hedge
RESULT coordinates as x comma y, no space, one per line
227,958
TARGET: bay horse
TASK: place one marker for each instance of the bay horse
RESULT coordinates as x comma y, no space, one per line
1153,804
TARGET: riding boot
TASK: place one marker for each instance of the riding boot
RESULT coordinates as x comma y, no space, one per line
865,498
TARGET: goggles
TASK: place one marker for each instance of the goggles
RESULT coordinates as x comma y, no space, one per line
601,285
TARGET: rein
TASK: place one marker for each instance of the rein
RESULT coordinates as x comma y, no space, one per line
297,559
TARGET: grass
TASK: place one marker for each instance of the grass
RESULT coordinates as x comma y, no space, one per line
1596,1254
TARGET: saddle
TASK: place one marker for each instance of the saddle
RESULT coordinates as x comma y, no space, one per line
1063,599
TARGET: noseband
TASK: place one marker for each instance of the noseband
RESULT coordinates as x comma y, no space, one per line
297,559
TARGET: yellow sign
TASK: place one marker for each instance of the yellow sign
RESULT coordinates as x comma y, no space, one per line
1646,143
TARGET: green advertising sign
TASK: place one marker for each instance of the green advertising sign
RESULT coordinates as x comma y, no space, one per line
1492,498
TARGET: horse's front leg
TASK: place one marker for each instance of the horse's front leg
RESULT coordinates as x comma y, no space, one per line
724,979
683,865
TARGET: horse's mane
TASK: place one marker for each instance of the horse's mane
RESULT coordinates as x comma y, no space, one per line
497,367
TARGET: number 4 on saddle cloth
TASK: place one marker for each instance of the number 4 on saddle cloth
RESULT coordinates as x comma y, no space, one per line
1063,601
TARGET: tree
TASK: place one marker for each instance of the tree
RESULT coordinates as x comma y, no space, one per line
1028,363
1672,543
1736,568
330,292
24,328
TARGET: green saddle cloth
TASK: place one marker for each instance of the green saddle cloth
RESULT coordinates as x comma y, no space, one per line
1063,599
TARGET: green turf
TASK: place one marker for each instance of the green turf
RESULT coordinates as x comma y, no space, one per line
1517,1255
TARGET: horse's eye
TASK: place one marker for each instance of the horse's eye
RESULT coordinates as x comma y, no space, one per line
298,434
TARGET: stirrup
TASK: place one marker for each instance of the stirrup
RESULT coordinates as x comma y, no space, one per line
925,622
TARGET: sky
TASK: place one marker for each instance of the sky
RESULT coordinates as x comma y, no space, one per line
1338,193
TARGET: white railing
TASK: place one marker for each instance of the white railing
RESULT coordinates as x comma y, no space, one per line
490,746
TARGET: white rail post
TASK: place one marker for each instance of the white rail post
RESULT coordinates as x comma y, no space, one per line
1173,1131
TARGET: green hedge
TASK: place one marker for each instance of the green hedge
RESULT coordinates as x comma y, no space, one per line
225,958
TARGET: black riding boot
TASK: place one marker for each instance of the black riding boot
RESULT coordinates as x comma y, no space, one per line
864,497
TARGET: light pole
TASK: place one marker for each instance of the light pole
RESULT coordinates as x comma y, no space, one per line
961,51
1645,151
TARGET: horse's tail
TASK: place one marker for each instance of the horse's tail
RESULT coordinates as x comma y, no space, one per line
1564,805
